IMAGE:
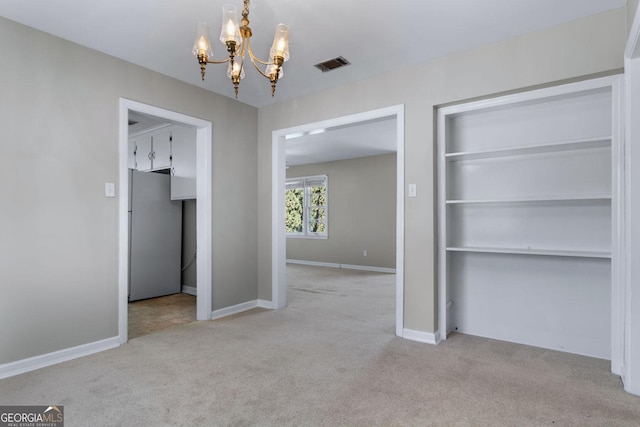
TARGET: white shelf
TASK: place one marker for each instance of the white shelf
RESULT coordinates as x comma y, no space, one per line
579,144
526,209
593,197
545,252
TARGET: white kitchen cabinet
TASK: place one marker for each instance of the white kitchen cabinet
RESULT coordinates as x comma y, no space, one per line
527,205
152,151
183,180
142,152
170,147
162,148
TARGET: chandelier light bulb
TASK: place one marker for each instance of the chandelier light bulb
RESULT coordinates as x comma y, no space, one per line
203,46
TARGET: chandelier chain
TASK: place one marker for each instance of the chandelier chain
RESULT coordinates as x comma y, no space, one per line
245,10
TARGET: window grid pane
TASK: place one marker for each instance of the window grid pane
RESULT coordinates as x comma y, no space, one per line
294,210
306,206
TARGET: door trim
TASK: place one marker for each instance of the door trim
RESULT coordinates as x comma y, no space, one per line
204,162
630,292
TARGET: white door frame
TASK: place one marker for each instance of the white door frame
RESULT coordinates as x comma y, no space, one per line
278,177
631,280
203,209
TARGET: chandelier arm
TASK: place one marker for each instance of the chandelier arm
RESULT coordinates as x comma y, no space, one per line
260,61
219,62
258,68
254,59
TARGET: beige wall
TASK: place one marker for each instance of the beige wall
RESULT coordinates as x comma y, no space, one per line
580,48
632,7
362,213
59,234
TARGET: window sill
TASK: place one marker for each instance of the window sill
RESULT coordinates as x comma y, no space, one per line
295,236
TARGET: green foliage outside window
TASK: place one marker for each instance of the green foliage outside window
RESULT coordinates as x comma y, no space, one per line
294,199
306,206
317,217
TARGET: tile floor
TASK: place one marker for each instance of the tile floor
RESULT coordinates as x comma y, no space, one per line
151,315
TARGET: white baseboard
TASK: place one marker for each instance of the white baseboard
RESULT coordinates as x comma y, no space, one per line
420,336
239,308
37,362
369,268
265,304
190,290
346,266
314,263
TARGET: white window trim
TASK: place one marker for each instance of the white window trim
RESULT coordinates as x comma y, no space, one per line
306,234
309,236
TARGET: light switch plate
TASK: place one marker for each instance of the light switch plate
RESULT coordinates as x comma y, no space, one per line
413,192
109,189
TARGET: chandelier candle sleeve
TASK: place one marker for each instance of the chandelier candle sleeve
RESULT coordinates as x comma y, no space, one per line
202,46
236,69
230,31
280,46
271,69
236,37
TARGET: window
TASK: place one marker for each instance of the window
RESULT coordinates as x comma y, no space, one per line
306,207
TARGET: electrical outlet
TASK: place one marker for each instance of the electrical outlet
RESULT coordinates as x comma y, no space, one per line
364,253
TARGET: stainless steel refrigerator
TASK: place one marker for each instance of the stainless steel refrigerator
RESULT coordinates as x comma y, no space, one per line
155,236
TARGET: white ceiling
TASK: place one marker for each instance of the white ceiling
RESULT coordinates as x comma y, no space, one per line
139,123
362,139
376,36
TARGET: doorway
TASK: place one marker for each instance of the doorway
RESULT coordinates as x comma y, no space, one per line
279,137
203,210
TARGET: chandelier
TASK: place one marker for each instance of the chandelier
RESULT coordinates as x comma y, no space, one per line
237,39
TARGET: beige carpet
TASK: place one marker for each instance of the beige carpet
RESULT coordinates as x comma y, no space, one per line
329,358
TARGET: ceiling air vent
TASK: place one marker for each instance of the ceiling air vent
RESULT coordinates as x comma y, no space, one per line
332,64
